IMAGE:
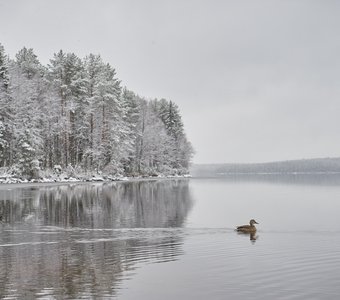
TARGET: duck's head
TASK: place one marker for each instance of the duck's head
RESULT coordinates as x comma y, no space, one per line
252,222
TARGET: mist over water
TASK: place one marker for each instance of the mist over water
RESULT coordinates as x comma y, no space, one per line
171,239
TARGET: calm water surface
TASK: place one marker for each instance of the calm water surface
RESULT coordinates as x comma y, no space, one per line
172,239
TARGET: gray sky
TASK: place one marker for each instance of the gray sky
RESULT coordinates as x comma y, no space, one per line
255,80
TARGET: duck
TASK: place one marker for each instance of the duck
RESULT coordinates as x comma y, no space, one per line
248,228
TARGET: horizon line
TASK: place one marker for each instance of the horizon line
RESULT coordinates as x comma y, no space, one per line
264,162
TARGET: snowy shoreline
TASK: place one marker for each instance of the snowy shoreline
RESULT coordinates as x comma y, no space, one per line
17,182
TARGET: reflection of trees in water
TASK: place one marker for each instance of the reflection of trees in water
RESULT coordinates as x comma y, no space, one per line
163,203
87,257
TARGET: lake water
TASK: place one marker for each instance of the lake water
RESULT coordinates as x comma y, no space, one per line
172,239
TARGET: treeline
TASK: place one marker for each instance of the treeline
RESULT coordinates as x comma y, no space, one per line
318,165
74,113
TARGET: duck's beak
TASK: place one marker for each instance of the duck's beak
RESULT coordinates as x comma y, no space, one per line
256,222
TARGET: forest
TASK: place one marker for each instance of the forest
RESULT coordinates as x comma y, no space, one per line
74,115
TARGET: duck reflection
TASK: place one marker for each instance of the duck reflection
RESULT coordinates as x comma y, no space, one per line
252,235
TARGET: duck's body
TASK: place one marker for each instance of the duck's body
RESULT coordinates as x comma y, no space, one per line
248,228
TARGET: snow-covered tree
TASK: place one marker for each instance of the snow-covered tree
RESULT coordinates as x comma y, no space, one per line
158,146
27,160
6,112
67,77
28,62
3,142
170,115
132,117
27,90
74,114
103,92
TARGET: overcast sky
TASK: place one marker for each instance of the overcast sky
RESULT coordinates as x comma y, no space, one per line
255,80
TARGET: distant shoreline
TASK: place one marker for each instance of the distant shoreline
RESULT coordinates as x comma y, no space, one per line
278,173
302,166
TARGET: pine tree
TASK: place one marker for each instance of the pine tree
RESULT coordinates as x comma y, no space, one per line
28,91
28,62
6,113
108,145
93,67
67,75
108,111
131,103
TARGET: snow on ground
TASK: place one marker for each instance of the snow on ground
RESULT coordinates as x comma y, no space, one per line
10,179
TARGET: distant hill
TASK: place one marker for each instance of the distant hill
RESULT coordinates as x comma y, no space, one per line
317,165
